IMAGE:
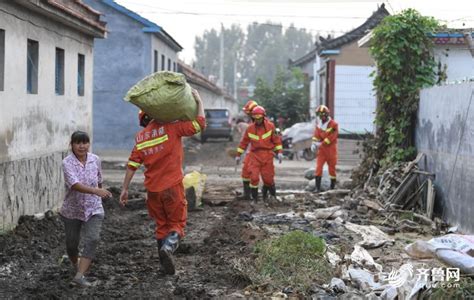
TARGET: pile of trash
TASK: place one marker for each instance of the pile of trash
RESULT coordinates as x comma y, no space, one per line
403,195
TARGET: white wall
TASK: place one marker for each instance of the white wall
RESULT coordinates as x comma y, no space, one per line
445,134
35,128
458,59
354,99
163,49
37,124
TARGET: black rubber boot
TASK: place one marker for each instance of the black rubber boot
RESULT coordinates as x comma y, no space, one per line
160,243
272,190
265,190
168,247
246,195
318,184
333,183
254,193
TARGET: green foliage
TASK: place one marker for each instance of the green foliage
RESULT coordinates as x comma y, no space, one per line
464,289
287,97
402,50
295,259
258,51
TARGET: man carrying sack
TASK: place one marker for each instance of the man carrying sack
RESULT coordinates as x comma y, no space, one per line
159,148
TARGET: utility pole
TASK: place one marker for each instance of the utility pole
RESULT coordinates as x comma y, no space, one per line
235,78
221,60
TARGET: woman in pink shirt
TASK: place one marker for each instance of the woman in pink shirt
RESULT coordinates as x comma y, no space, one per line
82,208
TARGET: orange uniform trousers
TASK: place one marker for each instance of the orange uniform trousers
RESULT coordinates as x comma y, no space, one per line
246,168
169,210
261,164
326,154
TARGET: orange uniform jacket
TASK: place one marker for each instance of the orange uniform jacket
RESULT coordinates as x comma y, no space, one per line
159,148
260,138
263,143
327,152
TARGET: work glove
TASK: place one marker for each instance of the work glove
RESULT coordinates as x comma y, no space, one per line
237,160
280,157
315,146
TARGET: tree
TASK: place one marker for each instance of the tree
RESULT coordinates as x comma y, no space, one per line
402,51
287,97
258,52
207,50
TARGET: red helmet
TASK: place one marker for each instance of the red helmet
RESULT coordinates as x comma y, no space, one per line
322,109
249,106
143,118
258,112
141,114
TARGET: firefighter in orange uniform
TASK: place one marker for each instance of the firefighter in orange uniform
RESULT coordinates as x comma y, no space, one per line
248,107
264,141
325,144
158,147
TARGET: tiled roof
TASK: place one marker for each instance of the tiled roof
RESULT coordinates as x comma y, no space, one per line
73,13
354,34
304,59
193,76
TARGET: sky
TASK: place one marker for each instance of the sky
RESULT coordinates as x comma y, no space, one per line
186,19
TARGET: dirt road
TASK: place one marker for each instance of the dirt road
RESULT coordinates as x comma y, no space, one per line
127,265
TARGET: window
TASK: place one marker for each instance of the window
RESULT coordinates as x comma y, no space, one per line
81,61
2,58
169,64
162,62
32,67
59,79
155,61
174,67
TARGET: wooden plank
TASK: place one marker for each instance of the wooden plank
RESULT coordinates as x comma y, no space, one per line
414,162
403,188
430,199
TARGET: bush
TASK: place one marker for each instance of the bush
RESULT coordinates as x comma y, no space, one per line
295,259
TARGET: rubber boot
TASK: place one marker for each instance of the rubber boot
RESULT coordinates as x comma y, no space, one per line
246,195
272,190
160,243
254,193
333,183
169,246
318,184
265,190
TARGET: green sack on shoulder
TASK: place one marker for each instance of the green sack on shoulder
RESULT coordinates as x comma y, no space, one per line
165,96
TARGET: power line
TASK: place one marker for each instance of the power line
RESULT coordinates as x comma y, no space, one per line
181,12
249,15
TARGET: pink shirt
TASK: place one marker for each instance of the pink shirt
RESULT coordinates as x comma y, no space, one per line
79,205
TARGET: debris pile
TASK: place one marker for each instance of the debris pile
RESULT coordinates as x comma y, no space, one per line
404,195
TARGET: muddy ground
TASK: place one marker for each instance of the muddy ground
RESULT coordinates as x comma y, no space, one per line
219,234
127,265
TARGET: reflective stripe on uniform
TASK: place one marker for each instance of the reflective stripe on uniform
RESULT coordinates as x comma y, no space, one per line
332,177
253,186
315,139
279,147
253,136
329,130
327,141
133,164
246,179
197,126
267,134
152,142
240,150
